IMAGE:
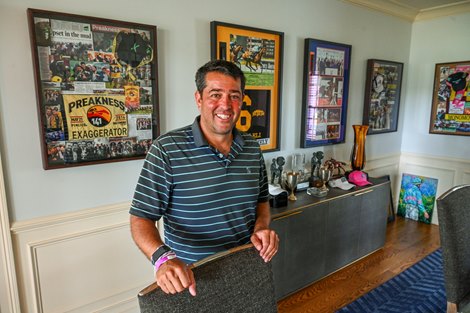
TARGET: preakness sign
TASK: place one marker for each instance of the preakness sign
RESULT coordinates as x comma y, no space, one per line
90,117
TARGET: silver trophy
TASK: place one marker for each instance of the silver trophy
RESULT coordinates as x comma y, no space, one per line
325,175
291,183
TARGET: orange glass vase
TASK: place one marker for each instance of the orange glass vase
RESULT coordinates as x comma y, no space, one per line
358,153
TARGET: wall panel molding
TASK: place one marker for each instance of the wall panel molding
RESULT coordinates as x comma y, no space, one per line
88,253
9,298
449,172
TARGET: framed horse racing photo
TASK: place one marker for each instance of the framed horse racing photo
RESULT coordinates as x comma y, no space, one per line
258,52
325,92
96,88
382,96
450,112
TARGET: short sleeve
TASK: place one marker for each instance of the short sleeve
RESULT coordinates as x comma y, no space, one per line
153,186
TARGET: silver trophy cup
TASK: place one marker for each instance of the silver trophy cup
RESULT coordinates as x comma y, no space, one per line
325,175
291,183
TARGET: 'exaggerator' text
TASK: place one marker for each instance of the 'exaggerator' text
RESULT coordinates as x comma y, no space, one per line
97,133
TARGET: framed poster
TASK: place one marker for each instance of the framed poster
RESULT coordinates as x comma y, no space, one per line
325,92
382,96
417,197
258,52
450,113
96,88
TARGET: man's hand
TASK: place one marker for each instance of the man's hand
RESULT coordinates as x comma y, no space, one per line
266,242
174,276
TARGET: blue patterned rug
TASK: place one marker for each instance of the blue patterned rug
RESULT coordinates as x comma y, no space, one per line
419,289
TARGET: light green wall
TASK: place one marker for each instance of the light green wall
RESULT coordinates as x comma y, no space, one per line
183,45
439,40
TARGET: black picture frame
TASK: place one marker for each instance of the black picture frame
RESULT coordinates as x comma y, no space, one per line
382,96
450,110
325,92
96,88
261,111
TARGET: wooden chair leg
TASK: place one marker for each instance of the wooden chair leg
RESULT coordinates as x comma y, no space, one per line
451,307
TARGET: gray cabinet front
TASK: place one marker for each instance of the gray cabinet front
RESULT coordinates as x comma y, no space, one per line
300,258
374,211
319,238
342,232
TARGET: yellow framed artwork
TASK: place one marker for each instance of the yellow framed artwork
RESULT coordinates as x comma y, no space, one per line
258,52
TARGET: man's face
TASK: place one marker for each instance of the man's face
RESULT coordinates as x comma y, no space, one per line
219,104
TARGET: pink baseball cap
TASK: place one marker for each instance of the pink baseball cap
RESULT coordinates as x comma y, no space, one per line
358,178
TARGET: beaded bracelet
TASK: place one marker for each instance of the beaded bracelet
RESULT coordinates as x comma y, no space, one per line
164,258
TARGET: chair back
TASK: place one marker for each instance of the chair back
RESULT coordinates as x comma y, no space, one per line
237,280
453,209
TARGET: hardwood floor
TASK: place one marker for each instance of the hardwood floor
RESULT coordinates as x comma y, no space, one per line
407,242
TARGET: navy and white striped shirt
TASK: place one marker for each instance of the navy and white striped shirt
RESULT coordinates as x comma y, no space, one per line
208,201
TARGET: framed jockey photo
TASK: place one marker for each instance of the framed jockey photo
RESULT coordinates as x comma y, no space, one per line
325,93
96,88
450,113
258,53
382,96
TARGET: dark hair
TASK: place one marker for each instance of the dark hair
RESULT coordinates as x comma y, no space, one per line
220,66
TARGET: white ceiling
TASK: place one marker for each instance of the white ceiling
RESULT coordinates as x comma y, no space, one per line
416,9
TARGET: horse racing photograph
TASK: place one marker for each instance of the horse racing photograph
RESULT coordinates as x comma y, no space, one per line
258,53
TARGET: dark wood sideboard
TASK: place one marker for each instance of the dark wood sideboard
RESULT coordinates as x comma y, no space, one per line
319,236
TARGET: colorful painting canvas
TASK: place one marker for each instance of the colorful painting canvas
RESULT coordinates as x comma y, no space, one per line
417,197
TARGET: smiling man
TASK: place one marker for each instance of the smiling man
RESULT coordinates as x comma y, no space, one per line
208,181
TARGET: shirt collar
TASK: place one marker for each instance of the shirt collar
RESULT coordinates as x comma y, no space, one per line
200,140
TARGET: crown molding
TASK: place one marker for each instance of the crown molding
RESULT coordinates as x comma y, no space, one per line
410,13
462,7
387,7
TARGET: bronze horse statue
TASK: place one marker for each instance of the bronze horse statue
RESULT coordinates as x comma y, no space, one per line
253,62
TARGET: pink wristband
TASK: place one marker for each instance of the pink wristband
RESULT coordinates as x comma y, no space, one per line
165,257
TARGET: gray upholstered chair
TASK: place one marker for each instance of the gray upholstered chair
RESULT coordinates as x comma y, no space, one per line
237,280
453,209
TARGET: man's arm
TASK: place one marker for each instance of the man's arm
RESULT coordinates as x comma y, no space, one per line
145,235
264,239
173,275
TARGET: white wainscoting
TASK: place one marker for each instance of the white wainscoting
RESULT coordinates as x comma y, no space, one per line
81,262
448,172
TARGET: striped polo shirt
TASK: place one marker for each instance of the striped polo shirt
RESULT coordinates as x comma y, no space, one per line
208,201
